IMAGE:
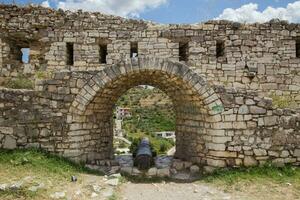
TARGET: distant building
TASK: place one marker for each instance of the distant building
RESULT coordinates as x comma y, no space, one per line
122,113
166,134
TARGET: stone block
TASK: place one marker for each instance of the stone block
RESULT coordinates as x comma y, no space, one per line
217,147
209,169
136,171
7,130
271,120
178,164
273,153
194,169
9,142
257,110
243,110
187,164
250,161
216,163
226,154
164,172
152,172
284,154
297,153
126,170
260,152
221,140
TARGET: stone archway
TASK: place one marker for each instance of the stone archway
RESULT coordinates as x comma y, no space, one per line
196,105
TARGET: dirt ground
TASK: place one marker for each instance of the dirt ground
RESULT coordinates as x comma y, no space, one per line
205,191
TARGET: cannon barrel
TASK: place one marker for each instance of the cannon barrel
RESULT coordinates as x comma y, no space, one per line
143,159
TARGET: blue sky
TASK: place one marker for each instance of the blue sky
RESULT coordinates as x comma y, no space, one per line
191,11
183,11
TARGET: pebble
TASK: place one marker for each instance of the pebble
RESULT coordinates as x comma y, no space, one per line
96,188
107,192
16,185
93,195
58,195
113,182
78,192
3,187
36,188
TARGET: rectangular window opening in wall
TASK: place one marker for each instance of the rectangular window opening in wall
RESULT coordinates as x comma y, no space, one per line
25,55
103,53
220,48
183,51
298,47
70,53
133,49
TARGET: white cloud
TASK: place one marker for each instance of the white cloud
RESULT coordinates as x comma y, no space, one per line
116,7
250,13
45,4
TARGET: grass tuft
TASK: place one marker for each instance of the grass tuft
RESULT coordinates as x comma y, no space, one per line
290,174
40,162
20,82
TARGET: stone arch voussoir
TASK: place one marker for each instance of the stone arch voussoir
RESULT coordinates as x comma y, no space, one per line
98,82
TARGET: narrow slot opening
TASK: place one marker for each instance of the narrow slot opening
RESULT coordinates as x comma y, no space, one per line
183,51
103,53
70,53
25,58
298,48
133,49
220,49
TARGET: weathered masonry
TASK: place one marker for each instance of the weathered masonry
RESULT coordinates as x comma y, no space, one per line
220,76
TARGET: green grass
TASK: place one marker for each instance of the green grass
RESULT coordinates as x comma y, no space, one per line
20,82
151,119
287,174
159,145
283,101
21,193
44,167
43,74
39,162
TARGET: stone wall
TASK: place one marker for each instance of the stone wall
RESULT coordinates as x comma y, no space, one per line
216,126
254,132
219,75
259,57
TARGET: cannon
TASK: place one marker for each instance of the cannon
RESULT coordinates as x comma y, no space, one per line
143,158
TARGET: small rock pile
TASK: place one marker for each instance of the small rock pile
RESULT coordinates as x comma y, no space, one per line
165,167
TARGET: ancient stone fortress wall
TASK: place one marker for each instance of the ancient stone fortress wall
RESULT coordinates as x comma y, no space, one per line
218,74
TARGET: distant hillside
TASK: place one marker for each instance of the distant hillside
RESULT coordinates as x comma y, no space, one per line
151,109
144,96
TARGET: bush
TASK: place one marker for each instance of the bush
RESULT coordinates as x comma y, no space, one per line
134,146
163,147
20,82
283,101
43,74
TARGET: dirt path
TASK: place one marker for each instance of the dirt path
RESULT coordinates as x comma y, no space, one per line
170,191
205,191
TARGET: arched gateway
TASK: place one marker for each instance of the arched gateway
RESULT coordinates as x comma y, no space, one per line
231,123
196,105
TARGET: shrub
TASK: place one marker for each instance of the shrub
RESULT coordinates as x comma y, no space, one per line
20,82
43,74
283,101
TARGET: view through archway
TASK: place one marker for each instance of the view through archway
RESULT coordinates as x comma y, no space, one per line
144,112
